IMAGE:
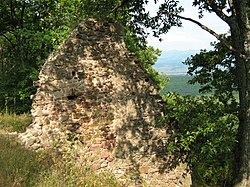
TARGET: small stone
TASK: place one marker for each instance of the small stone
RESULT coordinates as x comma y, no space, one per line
37,133
110,159
111,165
173,185
143,169
104,164
95,166
36,146
76,115
64,118
95,147
54,118
30,141
153,170
85,119
119,154
171,176
105,153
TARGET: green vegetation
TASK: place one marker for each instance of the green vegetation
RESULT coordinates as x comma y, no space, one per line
31,30
179,84
19,166
68,174
214,70
25,168
205,133
204,113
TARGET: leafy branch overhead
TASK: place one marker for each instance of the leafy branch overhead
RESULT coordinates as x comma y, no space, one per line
170,15
215,70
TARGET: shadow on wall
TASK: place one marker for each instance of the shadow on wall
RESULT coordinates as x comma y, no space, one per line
93,90
137,109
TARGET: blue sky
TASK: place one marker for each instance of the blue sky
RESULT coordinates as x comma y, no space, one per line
190,36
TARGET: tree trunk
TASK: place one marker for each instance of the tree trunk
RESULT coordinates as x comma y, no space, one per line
1,60
243,157
240,31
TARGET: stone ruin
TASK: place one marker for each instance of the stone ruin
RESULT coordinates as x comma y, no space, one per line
92,93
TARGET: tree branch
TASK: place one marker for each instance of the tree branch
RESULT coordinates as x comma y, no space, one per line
22,14
122,4
13,14
218,11
7,38
218,36
230,4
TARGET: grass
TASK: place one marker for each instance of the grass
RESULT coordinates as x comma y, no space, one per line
70,175
21,167
14,123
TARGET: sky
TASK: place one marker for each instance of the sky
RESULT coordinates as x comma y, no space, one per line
189,36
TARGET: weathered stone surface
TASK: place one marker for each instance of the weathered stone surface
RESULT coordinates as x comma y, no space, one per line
93,96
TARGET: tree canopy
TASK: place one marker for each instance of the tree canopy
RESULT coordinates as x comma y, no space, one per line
29,32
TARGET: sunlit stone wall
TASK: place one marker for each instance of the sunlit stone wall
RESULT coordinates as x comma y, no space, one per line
93,96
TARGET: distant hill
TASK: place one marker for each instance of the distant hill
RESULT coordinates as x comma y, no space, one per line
180,85
170,62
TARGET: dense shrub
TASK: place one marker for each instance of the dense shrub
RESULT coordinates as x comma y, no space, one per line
206,132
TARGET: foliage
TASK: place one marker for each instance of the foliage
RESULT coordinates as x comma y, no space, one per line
101,8
206,133
131,14
147,57
214,70
29,32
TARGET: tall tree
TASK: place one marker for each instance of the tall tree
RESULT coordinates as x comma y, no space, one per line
236,14
29,31
238,20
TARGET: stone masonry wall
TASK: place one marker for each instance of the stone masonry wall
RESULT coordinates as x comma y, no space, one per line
92,92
